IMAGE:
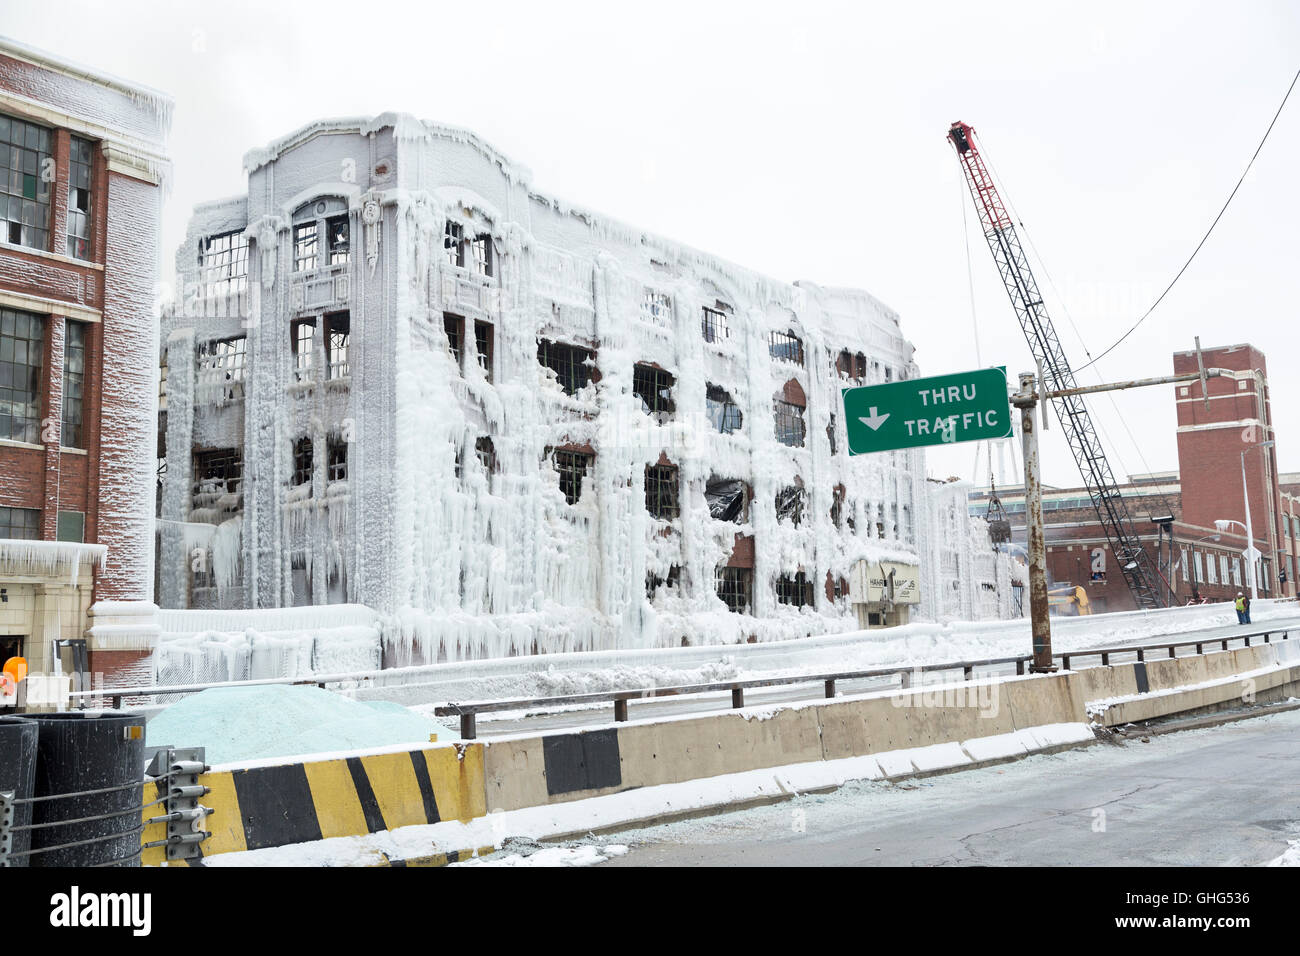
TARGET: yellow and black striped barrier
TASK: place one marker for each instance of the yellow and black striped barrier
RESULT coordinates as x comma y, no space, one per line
298,802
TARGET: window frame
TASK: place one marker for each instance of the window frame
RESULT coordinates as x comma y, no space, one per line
21,193
24,427
663,492
649,380
738,583
71,434
80,226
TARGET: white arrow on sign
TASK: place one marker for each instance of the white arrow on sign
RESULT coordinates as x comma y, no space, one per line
875,421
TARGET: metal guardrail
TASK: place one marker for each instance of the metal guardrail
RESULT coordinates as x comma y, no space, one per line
468,712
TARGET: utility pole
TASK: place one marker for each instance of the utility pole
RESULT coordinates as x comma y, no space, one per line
1027,400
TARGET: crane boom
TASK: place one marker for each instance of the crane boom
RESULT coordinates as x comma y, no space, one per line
1013,266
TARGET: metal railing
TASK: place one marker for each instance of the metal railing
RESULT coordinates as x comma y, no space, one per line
469,712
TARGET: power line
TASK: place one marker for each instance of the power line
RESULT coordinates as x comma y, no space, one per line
1175,279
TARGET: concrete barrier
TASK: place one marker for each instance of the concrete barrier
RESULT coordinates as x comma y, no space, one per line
531,771
1112,680
275,804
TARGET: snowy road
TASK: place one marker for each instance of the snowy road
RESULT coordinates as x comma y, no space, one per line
510,723
1227,795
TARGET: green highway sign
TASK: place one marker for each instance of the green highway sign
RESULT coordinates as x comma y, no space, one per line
940,410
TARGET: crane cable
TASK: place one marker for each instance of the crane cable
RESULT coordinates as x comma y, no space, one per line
1175,279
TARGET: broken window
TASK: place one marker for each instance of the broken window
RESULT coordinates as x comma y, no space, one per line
727,498
785,346
852,366
790,504
789,424
483,347
223,265
795,590
654,582
303,340
483,255
217,474
337,330
79,210
487,454
74,374
572,468
880,521
656,307
661,497
221,368
453,244
21,523
302,461
454,326
837,506
830,434
839,588
24,188
715,323
654,387
570,363
338,459
723,413
304,247
734,586
338,239
22,338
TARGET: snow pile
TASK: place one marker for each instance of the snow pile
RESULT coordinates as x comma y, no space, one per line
586,855
248,723
1290,858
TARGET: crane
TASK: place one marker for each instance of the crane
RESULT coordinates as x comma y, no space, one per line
1056,374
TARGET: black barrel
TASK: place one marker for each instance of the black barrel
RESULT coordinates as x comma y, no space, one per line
18,773
81,751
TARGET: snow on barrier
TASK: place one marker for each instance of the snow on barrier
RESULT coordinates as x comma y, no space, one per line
277,802
922,729
1146,690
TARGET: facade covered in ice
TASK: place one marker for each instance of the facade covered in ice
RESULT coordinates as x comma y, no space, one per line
400,376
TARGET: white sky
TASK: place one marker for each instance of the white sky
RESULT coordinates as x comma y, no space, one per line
808,141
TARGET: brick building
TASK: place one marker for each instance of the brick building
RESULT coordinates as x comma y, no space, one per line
81,163
1199,552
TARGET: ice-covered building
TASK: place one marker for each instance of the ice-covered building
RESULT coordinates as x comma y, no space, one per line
400,376
83,163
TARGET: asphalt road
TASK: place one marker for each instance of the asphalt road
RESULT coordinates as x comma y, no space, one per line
511,723
1227,795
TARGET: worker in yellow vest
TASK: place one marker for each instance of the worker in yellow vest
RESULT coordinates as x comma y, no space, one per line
1243,609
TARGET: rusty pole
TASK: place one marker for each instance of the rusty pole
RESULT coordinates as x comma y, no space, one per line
1040,624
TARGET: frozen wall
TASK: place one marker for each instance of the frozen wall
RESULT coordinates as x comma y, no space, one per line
467,559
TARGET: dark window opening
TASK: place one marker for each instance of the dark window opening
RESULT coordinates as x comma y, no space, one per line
22,338
830,435
302,461
570,363
723,413
661,491
728,499
789,424
796,590
852,366
487,454
74,374
221,366
454,326
338,239
654,387
654,582
338,460
453,244
790,504
785,347
837,506
735,586
217,473
483,347
21,523
572,467
715,323
79,205
337,332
